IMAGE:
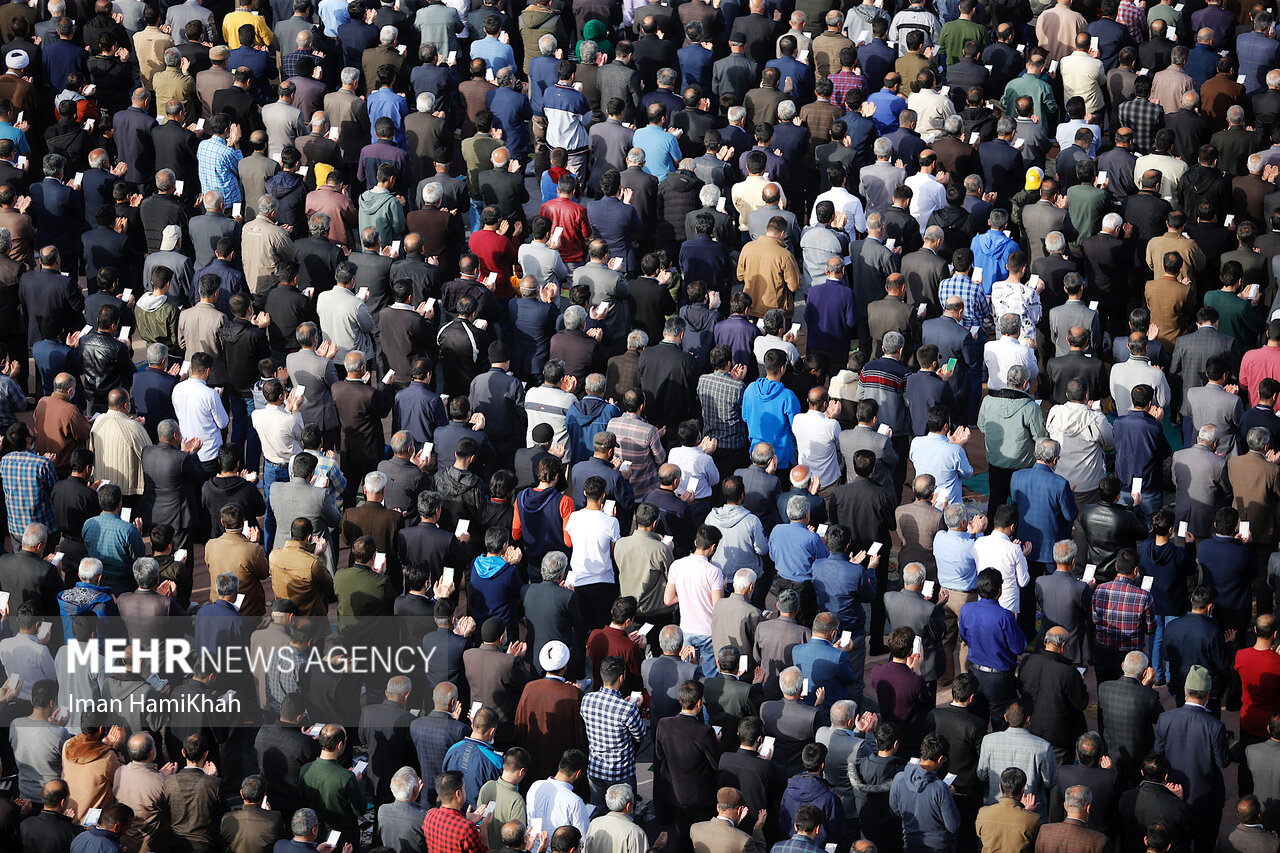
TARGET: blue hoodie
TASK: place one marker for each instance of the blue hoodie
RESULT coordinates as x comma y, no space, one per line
495,591
929,815
807,789
768,407
584,419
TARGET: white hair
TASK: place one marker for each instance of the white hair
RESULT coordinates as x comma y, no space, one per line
91,570
742,580
426,102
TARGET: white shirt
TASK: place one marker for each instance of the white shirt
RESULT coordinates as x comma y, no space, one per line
200,415
927,196
818,445
280,431
694,463
1003,353
24,656
1137,371
764,343
591,533
997,551
1083,76
556,804
843,200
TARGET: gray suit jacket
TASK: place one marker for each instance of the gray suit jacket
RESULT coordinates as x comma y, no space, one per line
872,264
1039,220
1068,315
299,499
876,184
863,437
206,230
617,80
1264,763
905,607
1212,404
1200,486
610,141
924,270
316,375
720,836
1192,351
1065,601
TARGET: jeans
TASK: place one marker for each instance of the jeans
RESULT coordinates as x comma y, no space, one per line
242,431
1151,501
706,653
271,473
1158,662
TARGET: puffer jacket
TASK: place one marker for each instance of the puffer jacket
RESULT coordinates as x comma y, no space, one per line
677,198
105,364
871,777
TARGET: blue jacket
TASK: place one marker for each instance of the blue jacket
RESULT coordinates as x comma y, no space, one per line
807,789
1228,567
1046,509
96,840
991,249
1196,640
842,586
695,66
1140,448
477,761
586,418
1196,743
495,586
768,408
800,75
826,666
511,112
929,815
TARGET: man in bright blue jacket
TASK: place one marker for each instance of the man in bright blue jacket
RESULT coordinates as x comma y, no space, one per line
768,407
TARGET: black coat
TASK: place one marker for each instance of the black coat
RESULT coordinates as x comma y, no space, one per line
1058,696
669,378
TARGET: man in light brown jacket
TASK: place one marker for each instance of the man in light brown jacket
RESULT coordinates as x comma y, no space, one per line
768,271
298,574
242,556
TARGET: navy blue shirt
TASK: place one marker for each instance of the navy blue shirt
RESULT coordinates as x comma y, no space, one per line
992,633
842,586
1167,564
1140,448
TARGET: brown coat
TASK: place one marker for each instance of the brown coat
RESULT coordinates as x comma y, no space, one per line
497,680
1255,482
1070,836
60,428
720,836
231,552
769,274
301,577
1006,827
373,518
1169,301
89,769
548,722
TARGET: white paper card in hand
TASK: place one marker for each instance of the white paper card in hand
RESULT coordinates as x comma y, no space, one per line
1090,572
610,507
694,484
949,779
446,576
333,839
463,526
91,818
889,243
1147,582
42,633
974,137
927,589
766,747
362,294
1093,306
1244,530
822,530
804,689
1182,530
1093,43
388,376
644,629
379,562
742,665
126,514
885,429
1019,144
1229,221
4,600
180,555
976,275
239,602
720,204
1136,487
177,186
535,825
873,549
475,706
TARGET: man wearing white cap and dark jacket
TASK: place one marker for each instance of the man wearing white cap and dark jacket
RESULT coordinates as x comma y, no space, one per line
548,721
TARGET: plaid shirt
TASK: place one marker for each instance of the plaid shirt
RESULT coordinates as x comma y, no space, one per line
449,831
327,466
285,672
842,82
28,480
1133,19
289,63
1145,117
1018,748
12,400
1122,615
977,309
613,730
639,444
219,164
721,398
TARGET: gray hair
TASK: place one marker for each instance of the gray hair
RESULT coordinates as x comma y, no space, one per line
90,570
786,110
1064,552
157,353
790,682
1112,221
1135,663
955,516
35,535
893,342
319,119
403,784
934,234
172,58
637,339
399,685
375,483
1047,450
349,76
1010,324
1077,797
913,575
710,193
575,317
304,820
227,584
1006,125
266,204
843,713
797,508
1256,438
213,200
1208,435
165,180
595,384
146,572
671,639
432,193
1018,376
1255,163
587,50
973,184
998,219
401,442
1235,114
554,565
952,125
736,114
387,35
742,580
1190,100
618,797
762,453
635,157
426,102
547,44
1055,243
882,148
319,223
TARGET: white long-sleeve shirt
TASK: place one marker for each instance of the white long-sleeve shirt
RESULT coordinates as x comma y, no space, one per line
997,551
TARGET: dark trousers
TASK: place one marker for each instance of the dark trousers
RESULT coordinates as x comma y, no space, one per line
596,599
998,480
998,689
808,598
1107,663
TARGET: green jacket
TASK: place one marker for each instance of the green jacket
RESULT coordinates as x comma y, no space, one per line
157,319
365,601
1236,318
332,791
1011,422
1038,90
956,33
510,806
1086,204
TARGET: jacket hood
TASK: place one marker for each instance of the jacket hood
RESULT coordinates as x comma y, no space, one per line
534,18
532,500
1070,420
592,407
489,565
150,302
235,329
729,515
917,778
769,389
808,788
227,485
1005,402
700,317
84,750
374,202
683,181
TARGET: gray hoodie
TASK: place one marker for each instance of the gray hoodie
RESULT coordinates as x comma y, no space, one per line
1085,436
742,543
